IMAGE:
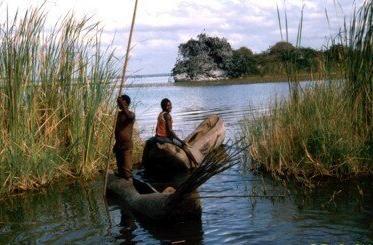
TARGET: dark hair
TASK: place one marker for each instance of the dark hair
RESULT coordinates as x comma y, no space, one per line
126,98
164,103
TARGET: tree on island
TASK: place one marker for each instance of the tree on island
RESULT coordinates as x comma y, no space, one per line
281,48
302,59
242,63
211,58
202,58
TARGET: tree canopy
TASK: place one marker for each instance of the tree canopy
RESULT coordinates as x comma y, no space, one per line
202,56
281,48
241,63
213,57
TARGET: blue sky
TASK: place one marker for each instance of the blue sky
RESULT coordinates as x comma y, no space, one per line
162,25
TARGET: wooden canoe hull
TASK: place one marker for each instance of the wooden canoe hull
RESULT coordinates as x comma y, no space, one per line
154,206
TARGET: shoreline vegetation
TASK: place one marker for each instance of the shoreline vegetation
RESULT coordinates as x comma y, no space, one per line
326,130
253,79
210,58
56,105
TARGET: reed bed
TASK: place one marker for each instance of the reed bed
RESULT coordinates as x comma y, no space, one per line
324,130
55,100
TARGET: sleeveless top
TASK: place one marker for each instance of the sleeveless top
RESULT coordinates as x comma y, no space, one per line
161,130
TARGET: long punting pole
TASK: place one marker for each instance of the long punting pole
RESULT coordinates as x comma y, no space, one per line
123,78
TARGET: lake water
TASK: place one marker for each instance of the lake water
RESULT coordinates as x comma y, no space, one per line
77,213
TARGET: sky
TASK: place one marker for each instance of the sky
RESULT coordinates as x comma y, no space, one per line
161,25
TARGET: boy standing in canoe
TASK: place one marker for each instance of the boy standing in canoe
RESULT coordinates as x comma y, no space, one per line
123,137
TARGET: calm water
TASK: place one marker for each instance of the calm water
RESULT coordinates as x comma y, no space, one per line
77,212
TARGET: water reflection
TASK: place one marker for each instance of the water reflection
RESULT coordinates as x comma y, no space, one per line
56,215
78,214
187,231
128,226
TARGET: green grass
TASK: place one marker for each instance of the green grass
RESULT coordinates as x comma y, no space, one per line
324,130
55,100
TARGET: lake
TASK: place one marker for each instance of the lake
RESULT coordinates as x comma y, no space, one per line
77,213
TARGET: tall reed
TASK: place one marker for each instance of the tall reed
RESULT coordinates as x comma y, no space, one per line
54,99
358,61
324,129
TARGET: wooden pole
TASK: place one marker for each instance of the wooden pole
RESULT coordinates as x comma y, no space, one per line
128,51
123,78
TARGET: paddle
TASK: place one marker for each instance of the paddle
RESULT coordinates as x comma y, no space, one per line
142,186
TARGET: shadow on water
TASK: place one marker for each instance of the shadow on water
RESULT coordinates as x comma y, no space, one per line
189,231
62,213
333,212
346,205
78,212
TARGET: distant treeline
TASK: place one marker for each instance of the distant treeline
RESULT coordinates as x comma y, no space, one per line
209,57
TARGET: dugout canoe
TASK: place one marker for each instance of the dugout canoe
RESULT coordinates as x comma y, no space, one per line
144,200
168,158
182,202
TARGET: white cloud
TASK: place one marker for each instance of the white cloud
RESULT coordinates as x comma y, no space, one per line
161,25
